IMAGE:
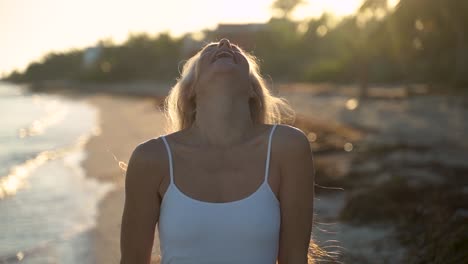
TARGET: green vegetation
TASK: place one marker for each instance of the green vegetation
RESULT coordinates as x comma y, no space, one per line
417,41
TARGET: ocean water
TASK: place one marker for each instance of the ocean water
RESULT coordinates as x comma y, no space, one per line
47,205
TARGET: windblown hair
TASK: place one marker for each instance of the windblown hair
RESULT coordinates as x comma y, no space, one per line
265,108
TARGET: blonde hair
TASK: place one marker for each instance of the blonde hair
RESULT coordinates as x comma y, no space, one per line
265,108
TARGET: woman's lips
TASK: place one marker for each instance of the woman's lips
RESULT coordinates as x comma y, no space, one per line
224,54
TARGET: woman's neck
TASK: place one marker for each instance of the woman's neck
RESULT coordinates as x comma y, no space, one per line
222,120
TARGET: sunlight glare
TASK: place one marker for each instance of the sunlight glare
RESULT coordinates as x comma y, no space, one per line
312,137
348,147
337,8
322,30
352,104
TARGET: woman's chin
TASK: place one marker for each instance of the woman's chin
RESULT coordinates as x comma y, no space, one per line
224,61
224,65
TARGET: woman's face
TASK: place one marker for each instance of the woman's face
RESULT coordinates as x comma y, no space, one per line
223,60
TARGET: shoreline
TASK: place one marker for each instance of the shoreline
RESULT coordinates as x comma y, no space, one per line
124,121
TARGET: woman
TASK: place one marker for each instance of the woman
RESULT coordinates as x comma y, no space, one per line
229,185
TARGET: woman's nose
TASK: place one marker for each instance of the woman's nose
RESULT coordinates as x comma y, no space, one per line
224,42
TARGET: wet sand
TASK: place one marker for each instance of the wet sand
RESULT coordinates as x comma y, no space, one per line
125,122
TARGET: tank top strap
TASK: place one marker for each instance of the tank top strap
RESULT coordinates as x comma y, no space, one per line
169,154
267,165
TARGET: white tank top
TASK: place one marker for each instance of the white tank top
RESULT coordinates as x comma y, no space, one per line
197,232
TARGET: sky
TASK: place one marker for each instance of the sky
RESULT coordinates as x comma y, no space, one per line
31,28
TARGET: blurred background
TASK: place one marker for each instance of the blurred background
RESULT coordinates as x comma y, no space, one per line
379,87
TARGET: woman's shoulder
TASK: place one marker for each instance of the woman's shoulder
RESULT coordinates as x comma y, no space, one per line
290,145
290,138
150,154
293,154
148,148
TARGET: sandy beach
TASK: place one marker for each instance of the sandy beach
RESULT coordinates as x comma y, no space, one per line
125,122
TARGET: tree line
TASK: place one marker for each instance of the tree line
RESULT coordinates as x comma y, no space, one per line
416,41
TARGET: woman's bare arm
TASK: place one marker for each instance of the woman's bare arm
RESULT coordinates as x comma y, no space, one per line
296,196
141,209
